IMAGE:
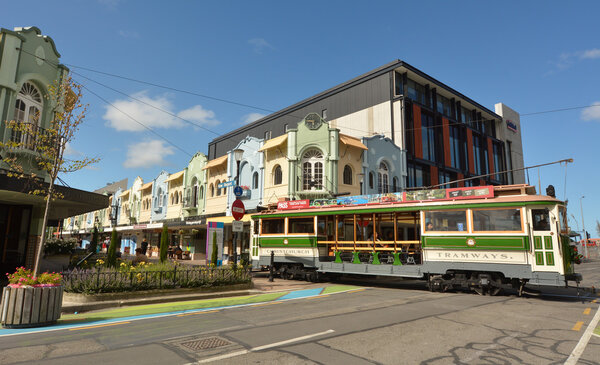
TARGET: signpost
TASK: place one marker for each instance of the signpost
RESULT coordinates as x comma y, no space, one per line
238,191
237,226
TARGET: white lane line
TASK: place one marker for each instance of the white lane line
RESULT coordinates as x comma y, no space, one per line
260,348
583,341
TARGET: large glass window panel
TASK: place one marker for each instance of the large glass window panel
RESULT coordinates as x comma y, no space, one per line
451,221
497,220
301,225
273,226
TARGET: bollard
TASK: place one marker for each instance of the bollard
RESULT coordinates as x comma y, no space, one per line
271,266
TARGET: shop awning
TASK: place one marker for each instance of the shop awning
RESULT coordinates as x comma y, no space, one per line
216,162
175,176
228,219
351,141
274,142
125,194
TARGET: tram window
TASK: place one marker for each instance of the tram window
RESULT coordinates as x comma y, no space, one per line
452,221
346,228
273,226
497,220
255,225
301,225
541,219
325,227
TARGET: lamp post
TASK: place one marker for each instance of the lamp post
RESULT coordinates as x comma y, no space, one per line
237,156
585,249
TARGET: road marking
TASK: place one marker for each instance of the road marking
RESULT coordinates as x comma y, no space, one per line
356,290
264,347
318,296
100,325
577,326
587,311
583,341
202,312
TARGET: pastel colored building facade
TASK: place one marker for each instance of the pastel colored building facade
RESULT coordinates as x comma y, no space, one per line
384,166
251,178
194,186
160,197
175,193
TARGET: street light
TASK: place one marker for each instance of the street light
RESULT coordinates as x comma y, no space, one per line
583,226
238,153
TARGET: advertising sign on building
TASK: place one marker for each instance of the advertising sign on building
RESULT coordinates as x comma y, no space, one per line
214,233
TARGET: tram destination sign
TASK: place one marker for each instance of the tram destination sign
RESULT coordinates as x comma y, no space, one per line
478,192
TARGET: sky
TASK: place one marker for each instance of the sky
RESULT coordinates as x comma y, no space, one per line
240,60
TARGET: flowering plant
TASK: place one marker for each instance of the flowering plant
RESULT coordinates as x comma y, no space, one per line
24,277
576,257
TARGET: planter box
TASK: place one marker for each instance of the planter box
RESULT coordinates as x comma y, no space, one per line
31,306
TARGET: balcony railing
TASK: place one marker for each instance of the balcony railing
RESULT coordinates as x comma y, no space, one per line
27,136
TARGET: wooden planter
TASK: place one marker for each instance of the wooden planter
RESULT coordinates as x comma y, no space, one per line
30,306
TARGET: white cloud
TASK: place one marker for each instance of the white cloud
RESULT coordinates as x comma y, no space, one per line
259,44
70,151
151,113
592,112
199,115
590,53
147,154
249,118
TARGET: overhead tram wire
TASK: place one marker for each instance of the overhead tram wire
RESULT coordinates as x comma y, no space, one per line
260,108
566,161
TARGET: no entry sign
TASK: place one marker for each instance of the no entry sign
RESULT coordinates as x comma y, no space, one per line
237,209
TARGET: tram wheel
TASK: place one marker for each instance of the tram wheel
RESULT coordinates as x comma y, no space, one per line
495,285
490,284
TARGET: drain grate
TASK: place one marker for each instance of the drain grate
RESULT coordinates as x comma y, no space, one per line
205,343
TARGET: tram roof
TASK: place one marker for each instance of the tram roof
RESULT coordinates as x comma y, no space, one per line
504,195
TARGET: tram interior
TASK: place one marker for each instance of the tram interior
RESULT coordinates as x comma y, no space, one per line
386,234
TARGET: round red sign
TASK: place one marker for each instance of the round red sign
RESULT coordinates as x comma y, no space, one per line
237,209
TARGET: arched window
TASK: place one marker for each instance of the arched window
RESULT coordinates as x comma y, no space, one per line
312,170
29,104
395,184
172,199
176,198
277,175
217,186
201,192
383,179
212,190
255,180
371,178
180,198
347,175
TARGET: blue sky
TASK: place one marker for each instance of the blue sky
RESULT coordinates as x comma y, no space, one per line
533,56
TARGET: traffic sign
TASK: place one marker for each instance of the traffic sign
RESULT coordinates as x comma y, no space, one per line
226,184
237,226
237,209
238,191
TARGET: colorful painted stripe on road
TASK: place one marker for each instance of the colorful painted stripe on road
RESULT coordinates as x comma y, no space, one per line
128,314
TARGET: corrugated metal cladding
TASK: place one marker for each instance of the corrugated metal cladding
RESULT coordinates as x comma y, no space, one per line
338,103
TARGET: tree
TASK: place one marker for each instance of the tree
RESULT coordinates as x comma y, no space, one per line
214,255
164,243
111,254
94,243
49,144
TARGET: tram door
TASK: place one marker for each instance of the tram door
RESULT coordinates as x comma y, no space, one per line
544,242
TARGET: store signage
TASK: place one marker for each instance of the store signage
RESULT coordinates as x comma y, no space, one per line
226,184
512,126
293,204
478,192
140,226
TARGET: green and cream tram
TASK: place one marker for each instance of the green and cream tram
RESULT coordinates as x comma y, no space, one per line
477,238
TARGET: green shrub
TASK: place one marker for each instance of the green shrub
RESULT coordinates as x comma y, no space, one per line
164,243
111,254
94,243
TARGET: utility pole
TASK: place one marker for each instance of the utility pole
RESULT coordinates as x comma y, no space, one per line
585,248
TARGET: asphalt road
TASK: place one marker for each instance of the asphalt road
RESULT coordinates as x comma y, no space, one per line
392,324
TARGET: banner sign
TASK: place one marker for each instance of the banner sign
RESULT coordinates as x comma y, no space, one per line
478,192
511,126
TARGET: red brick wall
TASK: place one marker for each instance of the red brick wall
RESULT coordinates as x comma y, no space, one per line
434,175
417,131
446,134
460,176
